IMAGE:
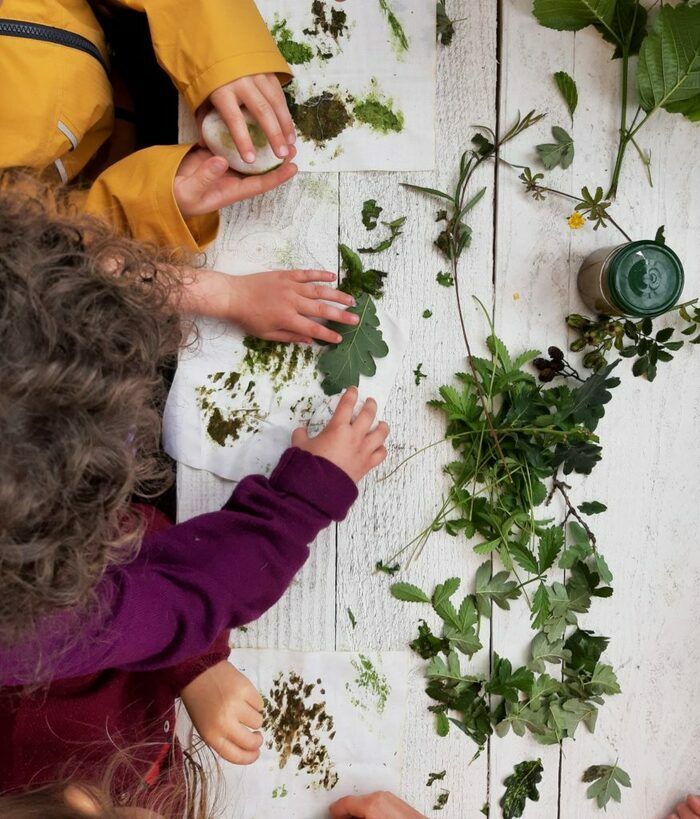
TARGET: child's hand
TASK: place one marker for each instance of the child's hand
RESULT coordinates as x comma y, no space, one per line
280,305
204,184
379,805
262,95
346,443
225,709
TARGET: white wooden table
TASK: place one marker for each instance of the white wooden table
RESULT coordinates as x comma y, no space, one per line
524,260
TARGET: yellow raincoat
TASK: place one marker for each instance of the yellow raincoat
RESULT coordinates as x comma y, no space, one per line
56,100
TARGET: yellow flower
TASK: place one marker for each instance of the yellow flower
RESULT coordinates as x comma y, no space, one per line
576,221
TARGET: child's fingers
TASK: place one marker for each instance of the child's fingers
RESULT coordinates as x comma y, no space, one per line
271,88
693,802
286,337
322,291
346,405
319,309
365,417
684,812
235,188
300,437
229,107
306,327
303,276
378,456
347,808
376,438
232,753
245,739
266,117
250,717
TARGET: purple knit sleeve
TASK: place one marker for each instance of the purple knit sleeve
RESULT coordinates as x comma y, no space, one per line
210,573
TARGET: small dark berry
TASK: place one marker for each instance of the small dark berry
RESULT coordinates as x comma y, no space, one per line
555,353
540,363
546,375
557,365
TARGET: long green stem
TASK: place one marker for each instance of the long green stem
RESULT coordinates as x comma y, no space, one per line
624,136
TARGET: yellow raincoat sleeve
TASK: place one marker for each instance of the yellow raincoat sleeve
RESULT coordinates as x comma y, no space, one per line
135,195
204,44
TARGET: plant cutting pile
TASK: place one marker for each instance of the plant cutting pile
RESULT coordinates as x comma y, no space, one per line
519,424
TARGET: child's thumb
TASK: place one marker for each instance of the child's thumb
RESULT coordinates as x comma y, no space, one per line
300,437
210,171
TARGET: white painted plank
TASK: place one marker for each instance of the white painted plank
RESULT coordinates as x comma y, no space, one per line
389,513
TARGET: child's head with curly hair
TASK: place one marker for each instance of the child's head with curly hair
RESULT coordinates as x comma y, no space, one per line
85,320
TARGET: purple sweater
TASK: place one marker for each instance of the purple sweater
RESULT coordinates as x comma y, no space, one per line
189,583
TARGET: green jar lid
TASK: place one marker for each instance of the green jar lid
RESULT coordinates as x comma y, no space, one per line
644,278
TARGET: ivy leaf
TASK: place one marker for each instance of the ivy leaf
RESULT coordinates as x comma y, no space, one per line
567,88
408,593
668,72
521,785
344,363
549,546
370,213
543,651
606,780
497,589
592,507
560,153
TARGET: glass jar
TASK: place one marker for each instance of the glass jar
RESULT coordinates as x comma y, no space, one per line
634,279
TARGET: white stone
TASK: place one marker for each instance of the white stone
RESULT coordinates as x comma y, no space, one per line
220,142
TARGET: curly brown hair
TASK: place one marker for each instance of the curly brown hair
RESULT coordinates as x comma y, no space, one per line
86,317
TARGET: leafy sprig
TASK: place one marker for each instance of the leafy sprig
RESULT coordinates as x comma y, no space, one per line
606,781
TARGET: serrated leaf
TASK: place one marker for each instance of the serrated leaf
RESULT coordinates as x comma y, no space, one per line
523,557
543,651
464,640
567,88
590,398
408,593
603,680
521,785
668,72
344,363
540,607
497,589
550,543
585,650
442,603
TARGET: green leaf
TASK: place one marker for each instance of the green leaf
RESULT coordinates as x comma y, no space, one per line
567,88
380,566
603,569
395,230
606,780
344,363
435,777
464,640
445,279
559,153
603,680
441,601
540,607
590,398
573,15
442,724
550,543
497,589
426,644
444,28
418,374
627,29
351,617
668,72
660,237
408,593
505,682
427,314
585,649
429,191
521,785
357,280
370,213
523,557
592,507
543,651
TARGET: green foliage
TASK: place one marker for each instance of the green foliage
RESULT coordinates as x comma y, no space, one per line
595,207
408,593
344,363
521,785
637,340
668,75
427,314
395,230
606,781
568,90
418,374
357,280
380,566
560,153
370,213
444,27
445,279
435,777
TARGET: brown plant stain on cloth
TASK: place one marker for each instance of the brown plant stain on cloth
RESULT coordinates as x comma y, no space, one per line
297,723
